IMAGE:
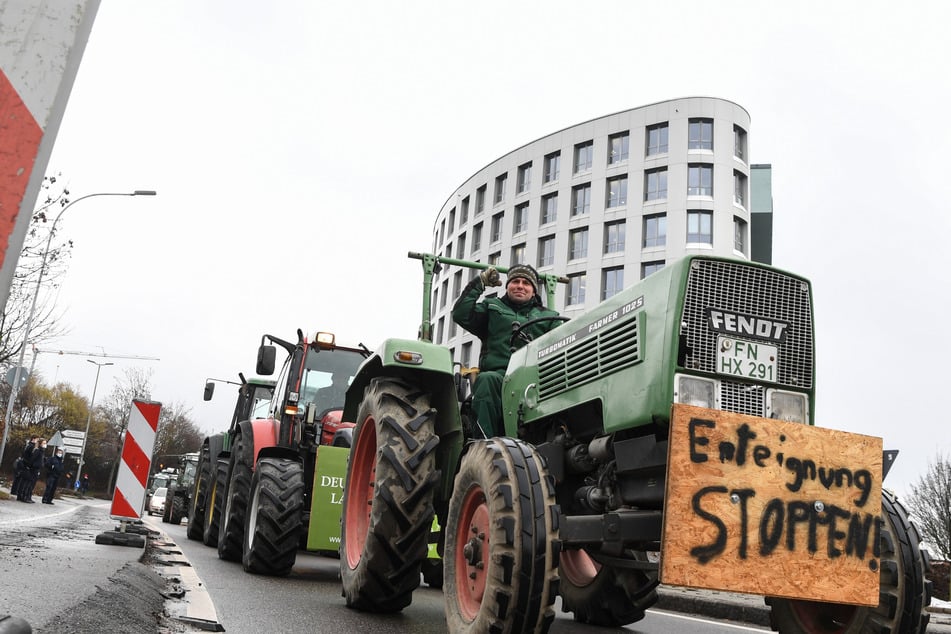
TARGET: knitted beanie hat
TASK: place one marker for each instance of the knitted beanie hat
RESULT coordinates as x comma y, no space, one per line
525,272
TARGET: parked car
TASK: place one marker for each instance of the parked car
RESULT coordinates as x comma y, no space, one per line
156,503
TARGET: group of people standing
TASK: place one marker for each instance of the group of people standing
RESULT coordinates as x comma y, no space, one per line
27,470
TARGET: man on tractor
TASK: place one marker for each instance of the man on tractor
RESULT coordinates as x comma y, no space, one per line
492,320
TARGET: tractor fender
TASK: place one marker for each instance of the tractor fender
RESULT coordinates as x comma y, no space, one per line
263,434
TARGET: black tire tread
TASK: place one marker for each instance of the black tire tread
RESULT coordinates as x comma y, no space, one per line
231,529
277,498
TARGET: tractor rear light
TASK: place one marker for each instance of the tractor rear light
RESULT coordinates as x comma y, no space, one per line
410,358
692,390
788,406
291,410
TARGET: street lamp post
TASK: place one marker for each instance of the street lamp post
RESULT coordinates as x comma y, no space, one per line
92,401
36,293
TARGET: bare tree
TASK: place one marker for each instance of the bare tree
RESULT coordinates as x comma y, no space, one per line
930,504
46,323
177,433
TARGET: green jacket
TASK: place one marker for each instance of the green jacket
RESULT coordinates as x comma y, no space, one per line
491,321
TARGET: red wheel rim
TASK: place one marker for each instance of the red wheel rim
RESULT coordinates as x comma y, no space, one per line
827,618
578,567
359,491
472,553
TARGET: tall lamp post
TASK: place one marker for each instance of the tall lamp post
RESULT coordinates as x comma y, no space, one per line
36,293
92,401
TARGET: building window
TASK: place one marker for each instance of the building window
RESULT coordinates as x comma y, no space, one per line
578,244
739,235
439,329
584,155
495,258
549,208
496,229
576,287
500,182
466,354
546,251
700,227
739,143
655,184
464,212
524,181
699,180
612,282
655,231
700,134
618,148
614,237
552,167
452,220
518,254
476,237
520,222
452,331
580,200
457,284
444,293
616,192
461,246
651,267
657,139
480,200
442,231
739,188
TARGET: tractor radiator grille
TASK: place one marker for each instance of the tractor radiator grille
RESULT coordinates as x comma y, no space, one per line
613,348
749,290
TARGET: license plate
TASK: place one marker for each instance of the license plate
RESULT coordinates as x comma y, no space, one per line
756,361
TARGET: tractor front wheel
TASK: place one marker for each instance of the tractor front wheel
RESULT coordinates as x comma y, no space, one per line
214,504
388,500
903,589
197,507
603,595
274,517
501,541
231,533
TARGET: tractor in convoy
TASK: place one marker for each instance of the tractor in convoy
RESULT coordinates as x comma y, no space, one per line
204,512
180,487
280,481
665,436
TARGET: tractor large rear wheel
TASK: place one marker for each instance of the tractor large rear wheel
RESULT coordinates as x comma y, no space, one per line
231,533
273,524
196,509
501,541
388,500
904,591
602,595
214,505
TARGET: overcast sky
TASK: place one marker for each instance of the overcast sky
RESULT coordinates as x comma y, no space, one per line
301,149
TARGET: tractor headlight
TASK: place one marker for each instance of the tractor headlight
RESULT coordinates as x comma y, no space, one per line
788,406
692,390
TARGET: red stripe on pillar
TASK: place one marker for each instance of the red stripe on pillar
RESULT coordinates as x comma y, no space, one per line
150,412
20,137
121,506
136,459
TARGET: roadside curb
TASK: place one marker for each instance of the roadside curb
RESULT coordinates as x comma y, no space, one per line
718,605
188,600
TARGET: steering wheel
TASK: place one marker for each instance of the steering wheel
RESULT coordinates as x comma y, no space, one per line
518,329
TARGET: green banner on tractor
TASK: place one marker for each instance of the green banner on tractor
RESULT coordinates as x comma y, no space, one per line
330,471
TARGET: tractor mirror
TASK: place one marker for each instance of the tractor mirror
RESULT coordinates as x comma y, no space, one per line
266,356
209,390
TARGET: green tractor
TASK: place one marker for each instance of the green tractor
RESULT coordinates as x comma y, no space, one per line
180,489
665,436
204,512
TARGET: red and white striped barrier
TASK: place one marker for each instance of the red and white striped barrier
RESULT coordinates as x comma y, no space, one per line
129,496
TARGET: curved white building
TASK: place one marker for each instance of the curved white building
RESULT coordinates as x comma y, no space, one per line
605,203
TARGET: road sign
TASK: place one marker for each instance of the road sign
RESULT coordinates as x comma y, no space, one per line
69,433
12,374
